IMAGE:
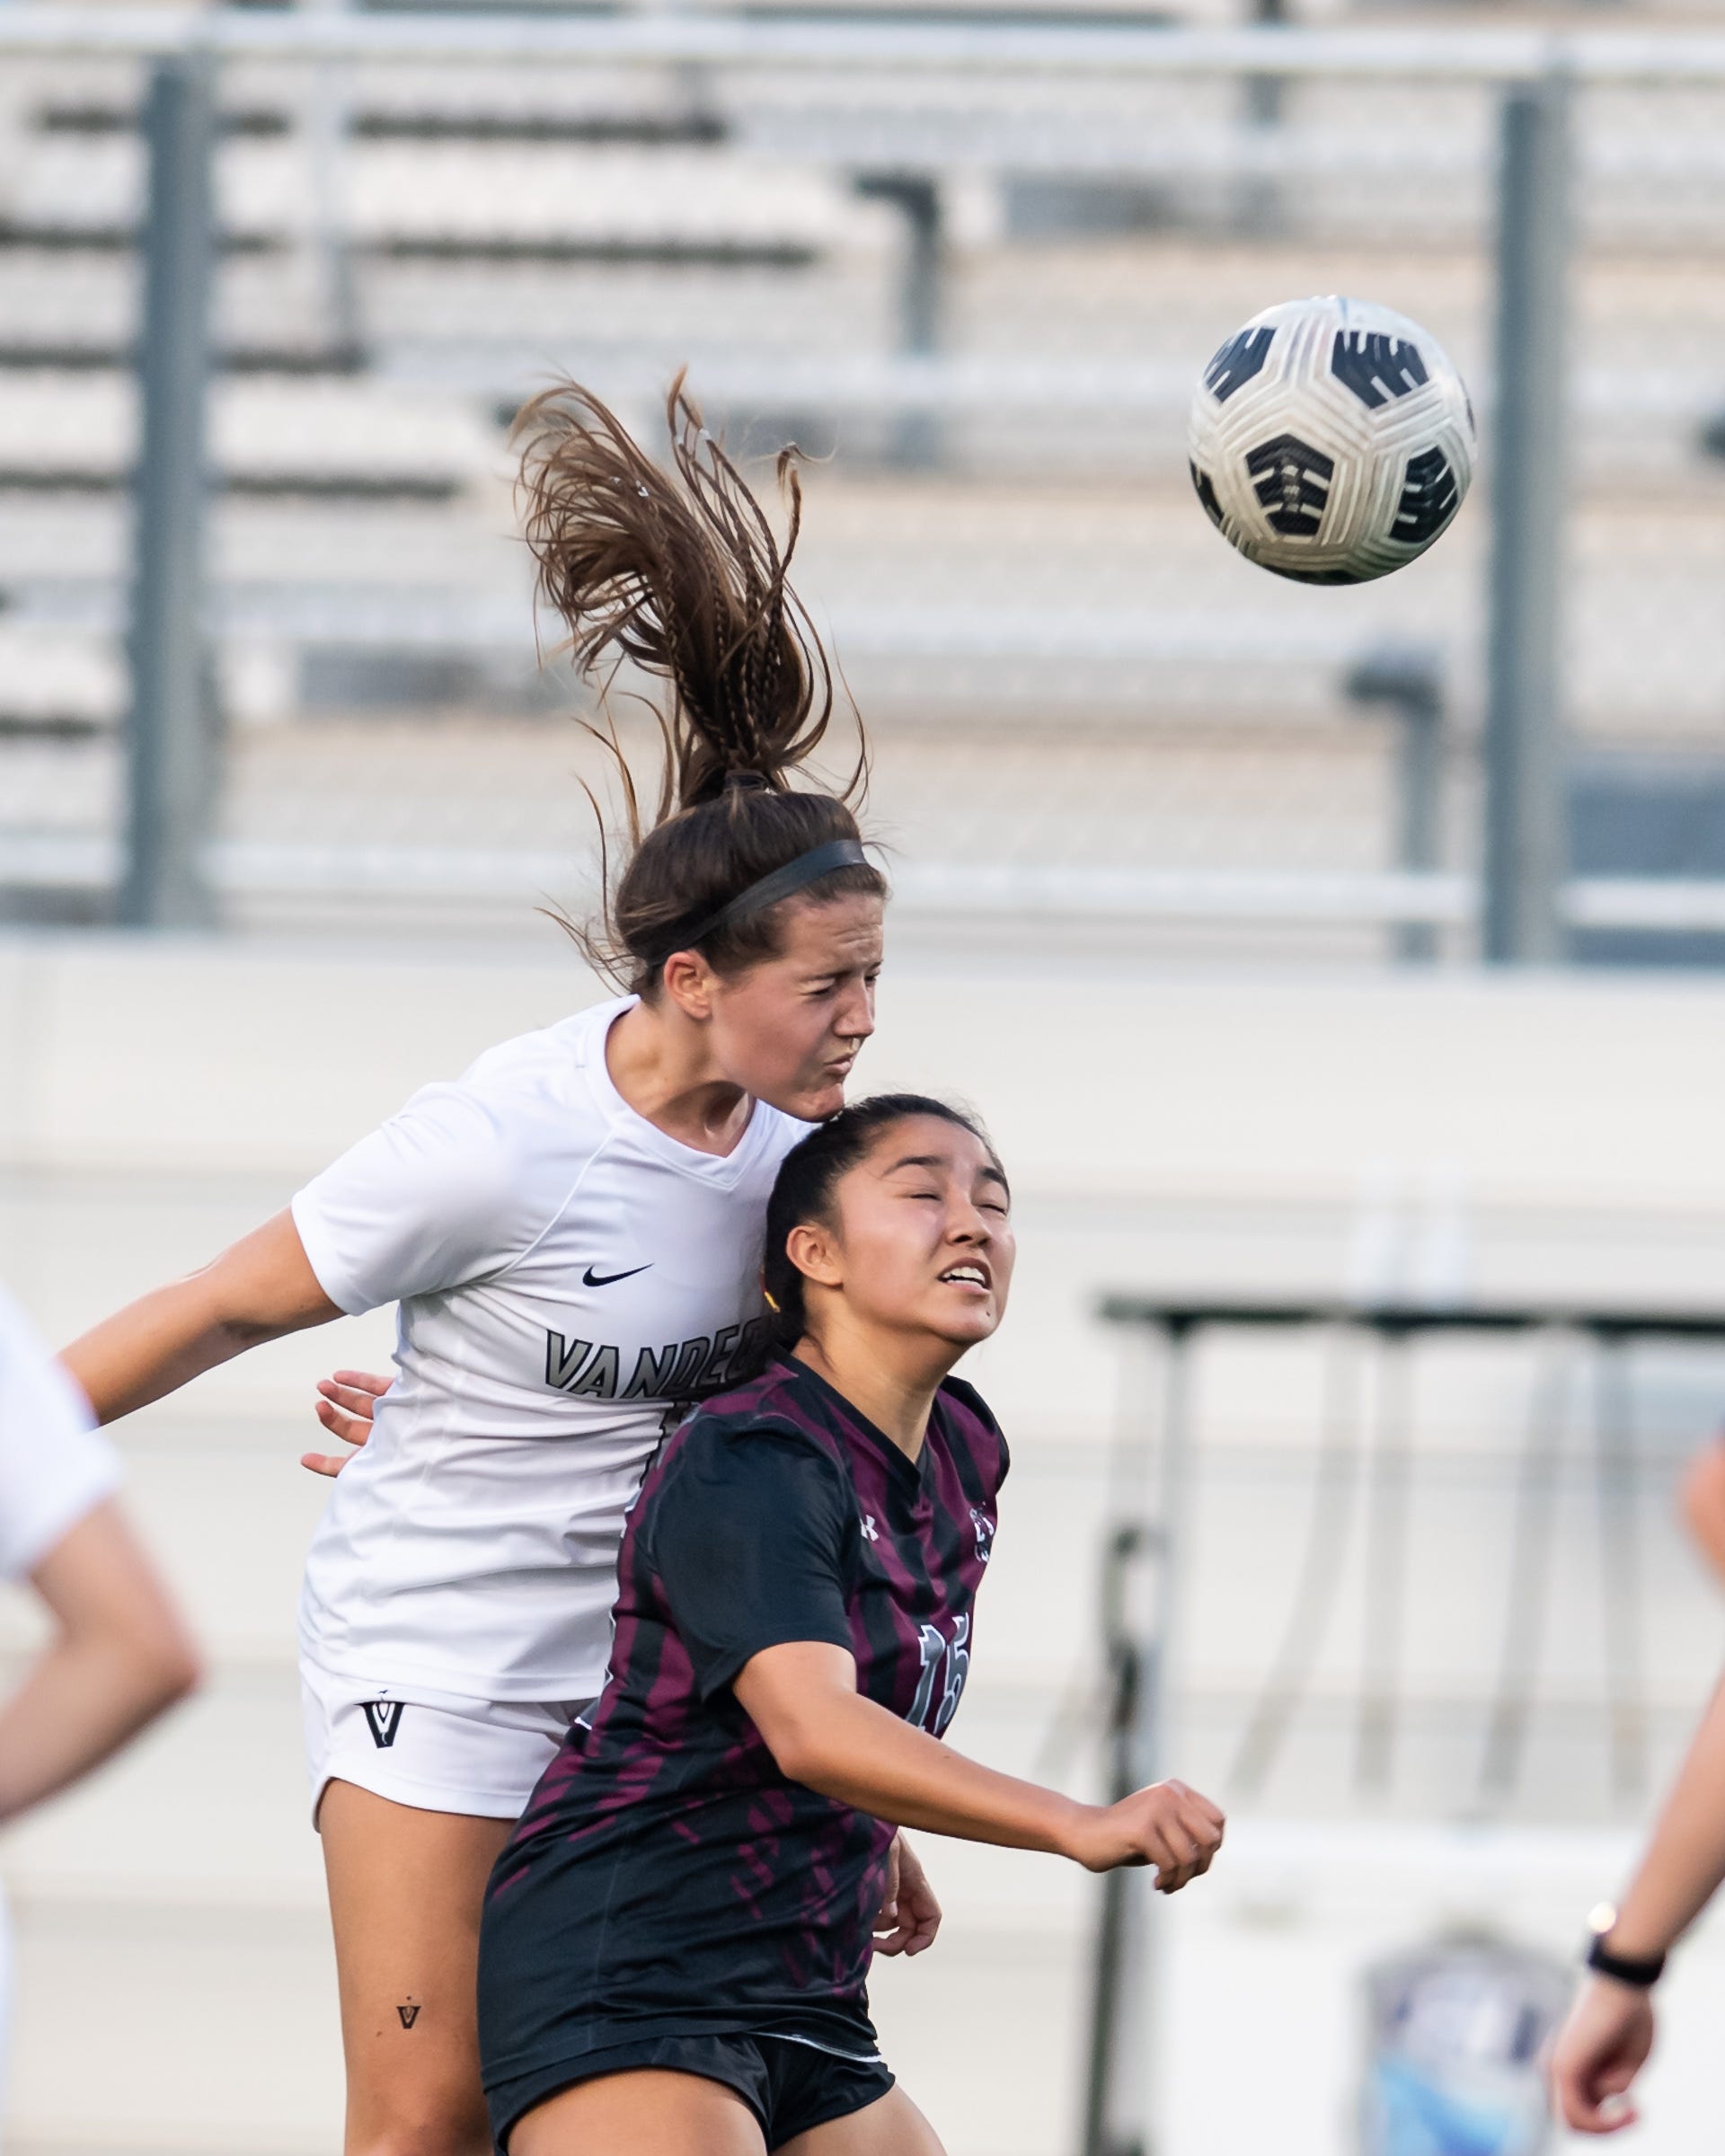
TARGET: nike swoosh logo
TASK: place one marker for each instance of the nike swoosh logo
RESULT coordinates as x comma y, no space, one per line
589,1278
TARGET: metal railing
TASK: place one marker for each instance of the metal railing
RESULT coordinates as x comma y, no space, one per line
1142,1563
991,47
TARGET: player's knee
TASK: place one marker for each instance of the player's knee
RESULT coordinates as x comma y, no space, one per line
428,2138
430,2128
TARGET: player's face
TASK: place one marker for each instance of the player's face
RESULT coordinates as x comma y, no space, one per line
923,1239
789,1029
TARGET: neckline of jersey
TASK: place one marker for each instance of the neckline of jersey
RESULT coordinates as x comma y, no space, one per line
723,1168
913,1473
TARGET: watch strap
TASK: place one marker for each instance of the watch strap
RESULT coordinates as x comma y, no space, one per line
1622,1968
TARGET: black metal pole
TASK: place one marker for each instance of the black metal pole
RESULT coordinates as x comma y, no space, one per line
170,746
1140,1593
1115,1927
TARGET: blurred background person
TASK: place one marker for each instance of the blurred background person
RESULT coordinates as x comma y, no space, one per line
1607,2038
118,1654
1702,1501
1609,2034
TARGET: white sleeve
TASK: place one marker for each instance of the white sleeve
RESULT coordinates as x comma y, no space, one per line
430,1201
53,1468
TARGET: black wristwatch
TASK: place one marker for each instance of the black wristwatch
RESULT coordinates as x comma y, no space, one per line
1640,1975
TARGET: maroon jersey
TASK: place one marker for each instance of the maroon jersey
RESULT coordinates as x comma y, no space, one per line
665,1874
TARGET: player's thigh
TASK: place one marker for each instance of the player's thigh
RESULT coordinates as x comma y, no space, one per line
646,2112
406,1891
890,2126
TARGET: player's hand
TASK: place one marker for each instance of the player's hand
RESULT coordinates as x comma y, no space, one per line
1168,1826
909,1915
345,1407
1598,2052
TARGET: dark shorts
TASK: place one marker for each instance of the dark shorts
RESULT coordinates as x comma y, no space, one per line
789,2084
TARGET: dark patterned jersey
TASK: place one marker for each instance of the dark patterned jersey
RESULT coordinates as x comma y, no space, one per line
665,1872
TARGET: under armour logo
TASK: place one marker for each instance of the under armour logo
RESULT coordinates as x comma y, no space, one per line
383,1719
870,1532
985,1528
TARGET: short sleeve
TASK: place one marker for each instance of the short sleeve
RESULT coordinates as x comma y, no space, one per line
747,1539
425,1202
53,1468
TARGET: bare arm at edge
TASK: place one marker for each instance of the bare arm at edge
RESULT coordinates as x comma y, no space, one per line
1683,1863
1703,1501
823,1733
260,1288
119,1657
1605,2043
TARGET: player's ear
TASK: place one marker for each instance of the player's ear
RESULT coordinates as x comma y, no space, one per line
689,983
811,1248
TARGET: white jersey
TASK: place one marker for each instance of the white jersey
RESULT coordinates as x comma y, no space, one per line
53,1468
567,1273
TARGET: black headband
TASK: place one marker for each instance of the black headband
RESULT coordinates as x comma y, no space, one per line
806,868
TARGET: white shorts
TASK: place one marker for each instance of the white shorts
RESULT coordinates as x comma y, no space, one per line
433,1750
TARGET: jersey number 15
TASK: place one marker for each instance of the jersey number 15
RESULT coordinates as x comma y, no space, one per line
938,1650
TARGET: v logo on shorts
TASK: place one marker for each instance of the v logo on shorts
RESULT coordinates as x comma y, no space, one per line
383,1719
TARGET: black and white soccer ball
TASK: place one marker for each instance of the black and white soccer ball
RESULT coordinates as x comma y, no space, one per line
1332,440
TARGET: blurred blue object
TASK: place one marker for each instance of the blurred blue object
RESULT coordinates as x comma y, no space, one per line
1456,2031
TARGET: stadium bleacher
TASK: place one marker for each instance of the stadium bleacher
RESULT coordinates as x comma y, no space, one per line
992,363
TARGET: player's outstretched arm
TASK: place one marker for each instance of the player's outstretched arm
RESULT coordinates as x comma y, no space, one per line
260,1289
1703,1499
120,1655
802,1698
1606,2041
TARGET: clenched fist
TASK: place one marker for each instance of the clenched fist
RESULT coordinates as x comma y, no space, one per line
1168,1826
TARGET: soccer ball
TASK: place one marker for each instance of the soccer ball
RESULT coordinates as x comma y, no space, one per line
1332,440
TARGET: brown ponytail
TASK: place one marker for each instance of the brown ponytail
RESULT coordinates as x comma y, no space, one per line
678,574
